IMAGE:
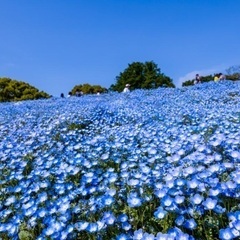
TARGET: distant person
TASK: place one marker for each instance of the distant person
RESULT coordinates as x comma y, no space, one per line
78,93
62,95
221,76
69,94
216,78
126,89
197,79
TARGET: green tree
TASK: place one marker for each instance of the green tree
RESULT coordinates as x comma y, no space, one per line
207,78
13,90
88,89
188,83
141,76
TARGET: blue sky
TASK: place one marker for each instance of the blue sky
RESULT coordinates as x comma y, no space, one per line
57,44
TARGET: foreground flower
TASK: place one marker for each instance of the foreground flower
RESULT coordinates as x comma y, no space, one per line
121,163
160,213
210,203
226,234
134,201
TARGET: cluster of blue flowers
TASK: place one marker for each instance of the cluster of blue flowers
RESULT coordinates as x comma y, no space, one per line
149,164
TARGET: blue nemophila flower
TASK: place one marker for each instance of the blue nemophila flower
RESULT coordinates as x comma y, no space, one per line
126,226
179,199
63,235
226,234
41,213
164,236
152,150
91,189
5,227
196,199
101,225
214,192
112,177
219,209
236,177
176,157
124,165
180,220
122,237
168,177
16,219
145,169
180,182
122,217
160,213
236,225
161,193
49,231
10,200
201,148
64,206
32,221
52,209
133,182
65,217
30,211
133,200
13,231
105,156
214,168
17,189
92,227
107,200
209,203
235,154
190,224
148,236
167,201
228,165
193,183
231,185
235,232
178,234
138,234
109,218
111,192
28,204
80,226
234,216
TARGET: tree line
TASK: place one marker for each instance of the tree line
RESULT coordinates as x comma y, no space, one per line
138,75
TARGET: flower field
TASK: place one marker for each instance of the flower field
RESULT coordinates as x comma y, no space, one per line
149,164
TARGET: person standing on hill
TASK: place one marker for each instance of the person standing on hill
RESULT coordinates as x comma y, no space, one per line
197,79
126,89
216,78
221,77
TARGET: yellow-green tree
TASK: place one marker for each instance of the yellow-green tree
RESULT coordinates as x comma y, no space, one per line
13,90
